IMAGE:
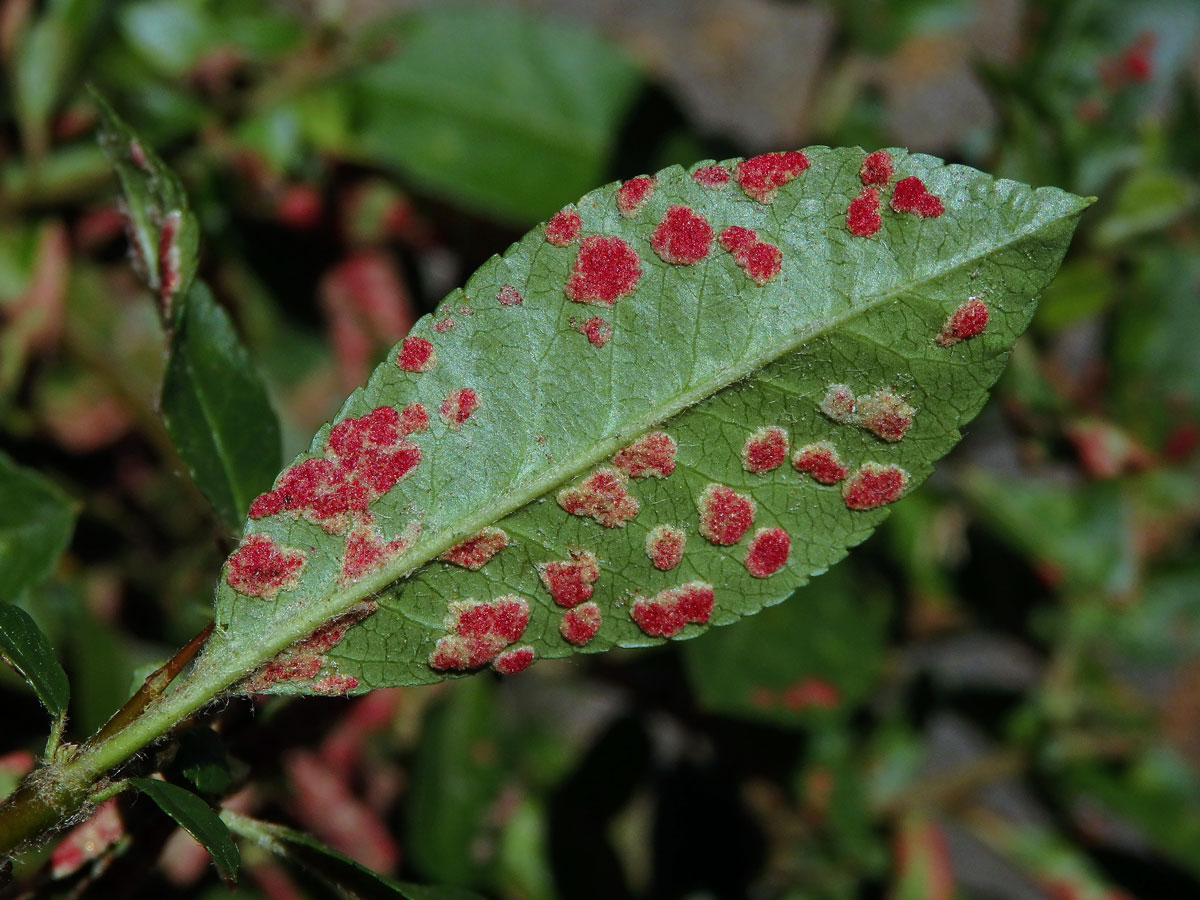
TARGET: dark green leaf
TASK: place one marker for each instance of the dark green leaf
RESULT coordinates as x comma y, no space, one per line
28,649
197,818
475,92
216,408
345,876
163,232
36,520
203,761
456,777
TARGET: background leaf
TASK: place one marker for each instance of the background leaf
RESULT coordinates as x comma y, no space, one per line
195,817
28,649
36,520
163,233
216,408
701,351
342,874
473,92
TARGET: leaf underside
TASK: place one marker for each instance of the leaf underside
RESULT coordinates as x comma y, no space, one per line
700,352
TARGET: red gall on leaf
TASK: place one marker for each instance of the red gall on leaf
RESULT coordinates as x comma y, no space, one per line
768,552
876,168
725,515
633,194
667,612
759,260
479,631
602,495
416,355
761,177
821,461
606,269
510,662
579,625
260,568
509,296
570,581
652,454
664,546
968,320
911,196
597,330
683,237
862,218
458,407
477,551
874,484
765,450
711,176
563,228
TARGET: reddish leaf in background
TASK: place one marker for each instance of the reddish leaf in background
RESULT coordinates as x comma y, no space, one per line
367,306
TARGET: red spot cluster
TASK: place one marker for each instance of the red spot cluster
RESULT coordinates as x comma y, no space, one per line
305,658
364,458
768,552
911,196
509,296
862,218
606,269
725,515
570,581
367,551
413,418
651,454
762,176
876,168
597,330
885,414
683,237
563,228
261,569
711,176
579,625
334,685
874,485
759,260
821,461
476,551
510,662
664,546
441,326
477,632
416,355
602,496
965,322
633,194
458,406
765,450
667,612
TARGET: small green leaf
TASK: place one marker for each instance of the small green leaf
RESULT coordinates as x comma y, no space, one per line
197,818
164,234
476,92
36,521
216,408
342,874
28,649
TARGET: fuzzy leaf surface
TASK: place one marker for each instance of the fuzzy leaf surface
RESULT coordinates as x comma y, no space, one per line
702,353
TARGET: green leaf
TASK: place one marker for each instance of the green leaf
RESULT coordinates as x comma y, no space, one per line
164,234
497,108
36,521
345,876
197,818
216,408
202,761
700,353
28,649
456,778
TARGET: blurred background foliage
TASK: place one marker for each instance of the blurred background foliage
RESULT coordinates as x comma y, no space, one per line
996,698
